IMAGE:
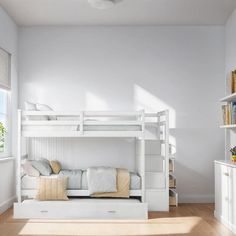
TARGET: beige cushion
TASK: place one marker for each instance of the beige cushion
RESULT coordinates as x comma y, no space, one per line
55,166
30,170
52,188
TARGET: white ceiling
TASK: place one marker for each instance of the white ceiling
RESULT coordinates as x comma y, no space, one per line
127,12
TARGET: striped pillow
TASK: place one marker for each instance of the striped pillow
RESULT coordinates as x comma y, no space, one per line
52,188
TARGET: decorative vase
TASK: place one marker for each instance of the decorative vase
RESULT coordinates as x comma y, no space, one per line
233,158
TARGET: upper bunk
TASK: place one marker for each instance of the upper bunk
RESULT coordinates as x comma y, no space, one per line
136,124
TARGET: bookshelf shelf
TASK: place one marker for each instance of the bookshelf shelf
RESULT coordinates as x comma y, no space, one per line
229,98
228,126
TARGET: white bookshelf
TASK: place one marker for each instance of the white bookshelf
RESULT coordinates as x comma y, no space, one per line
229,98
229,127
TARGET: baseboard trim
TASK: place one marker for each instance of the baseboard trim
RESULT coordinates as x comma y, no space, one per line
7,204
196,198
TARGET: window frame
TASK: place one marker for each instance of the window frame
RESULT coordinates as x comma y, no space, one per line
4,86
7,142
8,114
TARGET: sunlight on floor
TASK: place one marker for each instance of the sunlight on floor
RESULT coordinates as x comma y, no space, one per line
159,226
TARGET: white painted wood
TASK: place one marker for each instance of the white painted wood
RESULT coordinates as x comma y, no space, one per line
156,183
55,133
86,113
155,180
225,194
229,98
82,153
5,159
153,147
119,118
77,122
74,193
228,126
81,209
233,198
157,200
142,159
226,163
18,179
154,163
166,163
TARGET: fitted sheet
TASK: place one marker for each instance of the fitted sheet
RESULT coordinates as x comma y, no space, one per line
135,181
29,182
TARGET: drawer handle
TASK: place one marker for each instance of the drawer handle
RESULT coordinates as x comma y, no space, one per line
226,174
44,211
112,212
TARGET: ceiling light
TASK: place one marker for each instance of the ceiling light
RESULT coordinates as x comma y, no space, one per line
103,4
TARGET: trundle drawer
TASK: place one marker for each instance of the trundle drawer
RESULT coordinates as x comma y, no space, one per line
80,210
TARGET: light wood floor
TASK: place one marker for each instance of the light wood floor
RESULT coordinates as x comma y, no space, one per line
187,219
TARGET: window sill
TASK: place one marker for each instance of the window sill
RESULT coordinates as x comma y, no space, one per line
4,159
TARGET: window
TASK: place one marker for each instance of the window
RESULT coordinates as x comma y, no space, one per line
4,124
5,87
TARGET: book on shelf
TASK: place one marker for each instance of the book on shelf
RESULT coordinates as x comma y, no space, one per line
233,81
229,113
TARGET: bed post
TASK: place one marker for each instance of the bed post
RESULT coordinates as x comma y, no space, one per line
19,157
142,157
167,151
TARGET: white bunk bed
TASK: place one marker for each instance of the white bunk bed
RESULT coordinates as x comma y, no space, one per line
97,124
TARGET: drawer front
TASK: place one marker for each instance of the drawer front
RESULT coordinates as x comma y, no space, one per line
222,191
81,211
233,184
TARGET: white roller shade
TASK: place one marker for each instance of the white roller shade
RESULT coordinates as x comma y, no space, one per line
5,81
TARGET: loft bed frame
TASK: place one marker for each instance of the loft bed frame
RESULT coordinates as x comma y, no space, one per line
98,124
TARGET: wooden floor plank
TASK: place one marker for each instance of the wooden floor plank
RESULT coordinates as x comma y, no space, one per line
187,219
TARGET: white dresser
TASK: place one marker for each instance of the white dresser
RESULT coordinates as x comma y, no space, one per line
225,193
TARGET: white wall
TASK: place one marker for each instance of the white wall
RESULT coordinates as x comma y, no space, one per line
230,55
230,65
127,68
9,41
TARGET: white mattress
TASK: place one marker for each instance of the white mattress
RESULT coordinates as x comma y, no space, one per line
86,128
29,182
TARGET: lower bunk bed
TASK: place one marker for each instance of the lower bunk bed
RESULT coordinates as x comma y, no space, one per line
80,203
